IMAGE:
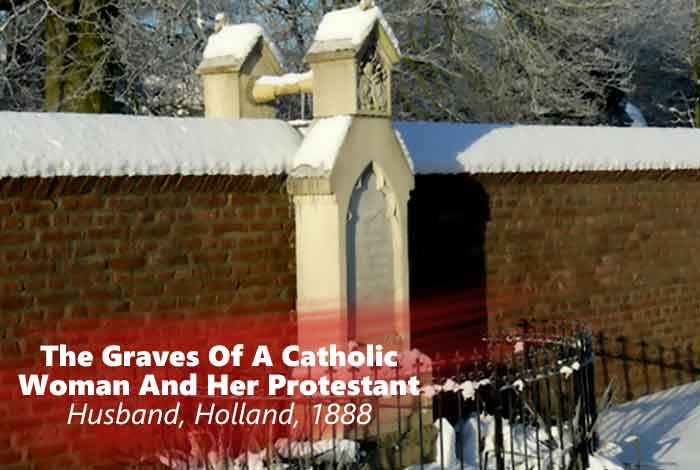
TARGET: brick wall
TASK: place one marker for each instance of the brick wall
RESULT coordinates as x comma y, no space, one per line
84,250
617,250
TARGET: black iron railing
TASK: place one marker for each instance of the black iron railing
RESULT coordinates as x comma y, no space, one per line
641,367
527,403
534,401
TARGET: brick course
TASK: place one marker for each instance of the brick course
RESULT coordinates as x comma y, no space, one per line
78,253
617,250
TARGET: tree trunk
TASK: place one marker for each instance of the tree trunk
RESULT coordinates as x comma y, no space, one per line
77,58
695,60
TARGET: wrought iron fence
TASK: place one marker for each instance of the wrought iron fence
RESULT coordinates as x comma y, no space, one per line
528,403
642,367
534,400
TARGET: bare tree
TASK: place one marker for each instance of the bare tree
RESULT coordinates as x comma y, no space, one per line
465,60
663,41
131,56
514,60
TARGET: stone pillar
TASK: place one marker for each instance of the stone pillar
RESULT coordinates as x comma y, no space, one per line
351,58
352,274
234,58
351,183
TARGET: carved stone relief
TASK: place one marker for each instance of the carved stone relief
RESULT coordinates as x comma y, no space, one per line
373,87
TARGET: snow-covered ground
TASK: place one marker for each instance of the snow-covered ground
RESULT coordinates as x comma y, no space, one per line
659,431
667,425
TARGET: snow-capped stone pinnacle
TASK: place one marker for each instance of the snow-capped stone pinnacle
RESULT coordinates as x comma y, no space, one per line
366,4
220,21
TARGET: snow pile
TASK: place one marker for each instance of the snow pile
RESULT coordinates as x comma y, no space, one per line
528,440
343,452
657,431
348,29
446,444
599,462
460,450
467,388
289,79
667,425
236,41
568,371
445,148
48,144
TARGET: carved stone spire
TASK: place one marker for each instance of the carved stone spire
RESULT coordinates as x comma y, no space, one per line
351,58
366,4
235,56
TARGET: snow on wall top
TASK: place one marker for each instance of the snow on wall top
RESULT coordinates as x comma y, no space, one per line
490,148
236,41
321,145
50,144
348,29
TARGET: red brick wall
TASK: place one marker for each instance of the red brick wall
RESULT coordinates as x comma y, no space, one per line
86,250
617,250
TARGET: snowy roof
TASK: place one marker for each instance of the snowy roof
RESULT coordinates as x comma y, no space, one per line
492,148
321,145
348,29
234,43
50,144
